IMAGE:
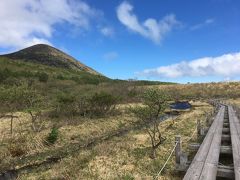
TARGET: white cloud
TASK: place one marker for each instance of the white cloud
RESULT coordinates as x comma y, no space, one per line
110,56
107,31
203,24
27,22
226,66
150,28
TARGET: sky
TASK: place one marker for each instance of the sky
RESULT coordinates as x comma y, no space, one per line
165,40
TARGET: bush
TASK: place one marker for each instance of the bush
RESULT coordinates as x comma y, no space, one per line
16,150
102,103
86,78
26,74
19,98
77,79
42,77
66,104
11,81
60,77
132,93
65,98
127,177
52,136
17,146
4,74
71,104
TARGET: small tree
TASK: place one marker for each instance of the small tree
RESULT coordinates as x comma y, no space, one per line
33,104
10,100
53,136
154,105
22,98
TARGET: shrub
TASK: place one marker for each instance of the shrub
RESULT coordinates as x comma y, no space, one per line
42,77
65,98
92,80
155,102
71,104
102,103
4,74
24,73
16,150
77,79
17,146
127,177
86,78
66,104
12,81
18,98
23,98
60,77
139,153
52,136
132,93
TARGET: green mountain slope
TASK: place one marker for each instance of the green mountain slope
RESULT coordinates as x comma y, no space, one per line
47,55
31,62
16,71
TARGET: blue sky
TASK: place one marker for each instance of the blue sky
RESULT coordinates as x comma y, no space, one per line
179,41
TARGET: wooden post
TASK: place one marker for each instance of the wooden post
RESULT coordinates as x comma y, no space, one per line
11,124
178,149
238,112
215,109
198,127
207,121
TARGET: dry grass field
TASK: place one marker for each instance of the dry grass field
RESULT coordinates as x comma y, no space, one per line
121,156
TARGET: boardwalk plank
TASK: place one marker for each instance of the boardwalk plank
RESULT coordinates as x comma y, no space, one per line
204,165
235,138
211,163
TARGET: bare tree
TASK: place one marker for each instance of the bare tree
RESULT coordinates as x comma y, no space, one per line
33,104
19,98
9,104
154,105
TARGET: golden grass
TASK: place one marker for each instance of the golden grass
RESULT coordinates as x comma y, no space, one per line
123,157
24,139
235,102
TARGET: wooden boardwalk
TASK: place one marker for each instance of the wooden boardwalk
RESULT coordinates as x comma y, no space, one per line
220,145
205,164
235,138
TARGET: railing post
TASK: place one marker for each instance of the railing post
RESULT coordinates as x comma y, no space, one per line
198,127
207,121
215,109
178,149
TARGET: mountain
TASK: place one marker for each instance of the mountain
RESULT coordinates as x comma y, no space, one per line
47,55
31,62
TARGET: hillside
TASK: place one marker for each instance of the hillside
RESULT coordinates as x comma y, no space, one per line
47,55
33,61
